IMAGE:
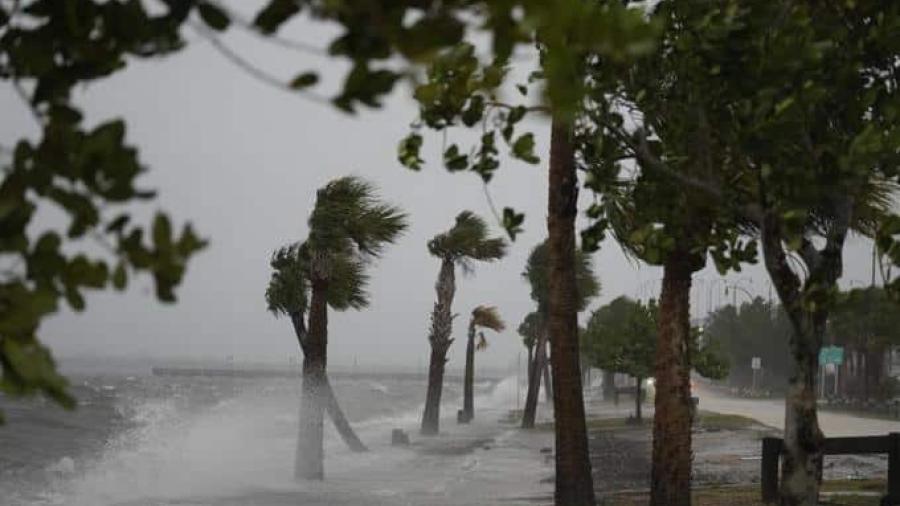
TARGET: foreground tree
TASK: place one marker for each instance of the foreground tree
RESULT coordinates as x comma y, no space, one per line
348,227
801,165
483,317
468,241
288,295
537,274
408,31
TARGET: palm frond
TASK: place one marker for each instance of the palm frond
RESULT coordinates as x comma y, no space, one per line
537,275
482,342
288,287
348,212
347,286
468,239
530,328
488,317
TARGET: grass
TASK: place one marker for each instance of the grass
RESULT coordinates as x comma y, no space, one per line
749,495
718,421
862,413
709,420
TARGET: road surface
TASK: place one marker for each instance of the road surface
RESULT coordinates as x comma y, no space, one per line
771,412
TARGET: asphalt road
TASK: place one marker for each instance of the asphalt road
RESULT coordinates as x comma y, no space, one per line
771,412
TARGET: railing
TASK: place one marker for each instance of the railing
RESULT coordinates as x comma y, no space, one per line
773,447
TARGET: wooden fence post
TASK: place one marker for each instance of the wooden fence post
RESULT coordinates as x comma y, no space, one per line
771,452
893,485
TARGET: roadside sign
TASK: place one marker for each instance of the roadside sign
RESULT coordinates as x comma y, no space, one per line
756,363
831,355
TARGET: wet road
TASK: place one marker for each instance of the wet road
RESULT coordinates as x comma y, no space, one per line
771,412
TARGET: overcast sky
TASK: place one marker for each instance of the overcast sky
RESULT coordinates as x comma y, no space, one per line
242,161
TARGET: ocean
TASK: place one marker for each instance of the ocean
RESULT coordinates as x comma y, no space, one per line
139,439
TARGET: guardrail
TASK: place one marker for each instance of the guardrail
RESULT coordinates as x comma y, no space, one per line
773,447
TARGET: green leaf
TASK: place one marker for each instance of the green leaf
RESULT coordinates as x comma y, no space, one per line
408,152
512,222
523,149
75,299
454,160
276,13
120,277
162,232
213,16
304,80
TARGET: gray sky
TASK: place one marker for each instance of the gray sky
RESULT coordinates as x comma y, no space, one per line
242,161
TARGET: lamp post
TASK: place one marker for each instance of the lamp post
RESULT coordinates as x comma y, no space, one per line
734,289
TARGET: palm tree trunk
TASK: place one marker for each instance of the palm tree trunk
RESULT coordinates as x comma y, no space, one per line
548,383
334,409
309,463
638,399
574,484
530,362
441,327
671,469
469,378
340,420
534,382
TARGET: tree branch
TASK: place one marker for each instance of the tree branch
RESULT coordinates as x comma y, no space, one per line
303,47
254,71
641,151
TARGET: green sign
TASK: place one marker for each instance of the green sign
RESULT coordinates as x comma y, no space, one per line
831,355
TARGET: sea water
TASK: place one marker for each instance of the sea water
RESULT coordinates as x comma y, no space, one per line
140,439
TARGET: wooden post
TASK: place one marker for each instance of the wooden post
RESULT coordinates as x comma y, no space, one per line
893,493
771,452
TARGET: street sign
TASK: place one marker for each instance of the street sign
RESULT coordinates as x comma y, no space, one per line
756,363
831,355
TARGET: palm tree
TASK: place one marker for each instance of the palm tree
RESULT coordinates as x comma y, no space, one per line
466,242
484,317
349,227
538,277
530,330
288,295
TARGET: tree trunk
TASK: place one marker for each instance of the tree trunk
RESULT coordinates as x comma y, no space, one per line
638,394
548,382
469,378
441,327
609,385
340,420
671,469
574,483
530,362
309,463
334,409
534,382
801,463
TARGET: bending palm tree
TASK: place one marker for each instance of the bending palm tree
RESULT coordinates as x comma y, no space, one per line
485,317
466,242
537,275
288,295
530,330
348,227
